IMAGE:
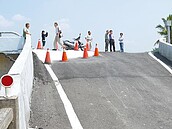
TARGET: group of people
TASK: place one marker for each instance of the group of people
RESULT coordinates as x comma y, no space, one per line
110,41
58,35
109,38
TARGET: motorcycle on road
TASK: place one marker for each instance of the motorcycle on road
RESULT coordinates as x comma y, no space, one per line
69,45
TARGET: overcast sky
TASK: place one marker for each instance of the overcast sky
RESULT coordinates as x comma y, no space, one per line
137,19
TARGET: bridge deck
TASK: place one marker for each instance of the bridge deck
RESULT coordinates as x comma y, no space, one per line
115,91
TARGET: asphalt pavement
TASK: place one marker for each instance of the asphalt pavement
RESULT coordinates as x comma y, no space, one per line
47,110
118,91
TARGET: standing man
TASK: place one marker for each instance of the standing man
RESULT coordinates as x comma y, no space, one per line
111,41
58,35
106,40
26,30
121,43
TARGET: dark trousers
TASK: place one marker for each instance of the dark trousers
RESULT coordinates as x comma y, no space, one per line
43,43
112,45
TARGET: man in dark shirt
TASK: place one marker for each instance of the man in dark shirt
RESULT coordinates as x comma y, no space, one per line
44,35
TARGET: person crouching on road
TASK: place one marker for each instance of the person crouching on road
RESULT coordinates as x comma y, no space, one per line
44,35
121,43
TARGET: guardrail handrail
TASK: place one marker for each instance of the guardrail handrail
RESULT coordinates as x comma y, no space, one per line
9,32
11,42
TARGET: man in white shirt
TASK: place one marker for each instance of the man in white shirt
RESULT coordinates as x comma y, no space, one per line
26,30
89,39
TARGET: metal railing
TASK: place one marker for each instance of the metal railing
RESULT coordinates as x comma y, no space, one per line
9,32
11,42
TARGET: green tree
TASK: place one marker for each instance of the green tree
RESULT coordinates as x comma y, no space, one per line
163,28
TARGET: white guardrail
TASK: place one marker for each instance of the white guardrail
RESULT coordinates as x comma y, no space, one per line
22,73
165,49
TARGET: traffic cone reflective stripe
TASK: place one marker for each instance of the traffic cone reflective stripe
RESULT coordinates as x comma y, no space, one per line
39,45
47,58
64,56
96,52
76,46
85,55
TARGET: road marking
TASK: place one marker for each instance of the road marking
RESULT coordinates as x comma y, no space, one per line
162,63
74,121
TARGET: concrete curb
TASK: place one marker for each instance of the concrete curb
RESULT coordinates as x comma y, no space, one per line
162,63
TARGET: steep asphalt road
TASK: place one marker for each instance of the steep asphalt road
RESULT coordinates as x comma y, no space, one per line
118,91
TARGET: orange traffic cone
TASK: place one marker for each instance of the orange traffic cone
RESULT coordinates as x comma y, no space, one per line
76,46
96,52
87,46
47,58
85,55
64,56
39,44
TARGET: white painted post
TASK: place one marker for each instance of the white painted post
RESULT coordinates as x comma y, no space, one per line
168,26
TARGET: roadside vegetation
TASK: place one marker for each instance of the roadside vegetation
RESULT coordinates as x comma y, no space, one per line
163,28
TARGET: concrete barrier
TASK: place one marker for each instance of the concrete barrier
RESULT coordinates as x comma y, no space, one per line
12,103
6,118
22,73
165,49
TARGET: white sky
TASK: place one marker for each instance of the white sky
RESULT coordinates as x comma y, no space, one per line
137,19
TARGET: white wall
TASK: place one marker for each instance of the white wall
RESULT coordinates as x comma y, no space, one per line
165,49
22,73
